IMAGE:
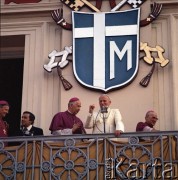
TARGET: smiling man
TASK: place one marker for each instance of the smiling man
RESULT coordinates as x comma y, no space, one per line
105,120
27,127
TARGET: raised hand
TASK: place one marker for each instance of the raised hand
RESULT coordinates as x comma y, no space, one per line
91,108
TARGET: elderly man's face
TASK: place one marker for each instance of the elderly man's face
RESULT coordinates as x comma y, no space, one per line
75,107
152,118
104,101
3,111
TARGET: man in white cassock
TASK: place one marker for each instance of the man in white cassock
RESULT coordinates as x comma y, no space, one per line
106,120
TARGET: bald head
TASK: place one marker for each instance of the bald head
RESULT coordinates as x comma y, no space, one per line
150,112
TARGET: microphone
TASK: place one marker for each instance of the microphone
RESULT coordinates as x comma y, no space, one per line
104,109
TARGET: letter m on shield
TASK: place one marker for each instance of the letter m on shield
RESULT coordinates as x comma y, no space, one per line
106,48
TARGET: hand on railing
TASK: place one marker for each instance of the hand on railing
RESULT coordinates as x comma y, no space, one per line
118,133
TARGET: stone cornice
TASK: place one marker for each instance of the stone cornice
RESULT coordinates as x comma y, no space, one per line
165,2
25,8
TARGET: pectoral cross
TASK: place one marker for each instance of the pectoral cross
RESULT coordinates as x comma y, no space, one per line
4,131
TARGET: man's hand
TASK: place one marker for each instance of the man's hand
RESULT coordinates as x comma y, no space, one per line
154,130
91,108
118,133
76,127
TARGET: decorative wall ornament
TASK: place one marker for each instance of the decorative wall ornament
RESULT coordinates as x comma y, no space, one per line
76,5
66,84
106,43
57,16
145,81
109,42
150,59
132,3
63,62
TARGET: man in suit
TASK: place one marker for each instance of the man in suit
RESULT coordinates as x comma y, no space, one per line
27,128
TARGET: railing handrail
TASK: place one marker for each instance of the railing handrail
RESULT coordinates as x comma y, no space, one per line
88,136
90,156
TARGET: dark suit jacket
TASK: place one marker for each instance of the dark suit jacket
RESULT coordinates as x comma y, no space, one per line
34,131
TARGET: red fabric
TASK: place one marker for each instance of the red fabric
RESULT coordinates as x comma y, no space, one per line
21,1
74,99
65,120
141,125
3,128
2,102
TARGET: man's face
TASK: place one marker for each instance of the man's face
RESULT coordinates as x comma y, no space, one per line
152,118
3,111
104,101
25,120
75,107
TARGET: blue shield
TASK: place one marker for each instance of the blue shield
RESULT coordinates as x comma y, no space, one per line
105,48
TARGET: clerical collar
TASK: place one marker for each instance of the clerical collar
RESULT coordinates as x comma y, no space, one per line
70,112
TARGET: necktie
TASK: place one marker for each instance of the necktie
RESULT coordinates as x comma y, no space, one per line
25,131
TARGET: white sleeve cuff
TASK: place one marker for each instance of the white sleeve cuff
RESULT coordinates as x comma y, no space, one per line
62,132
147,129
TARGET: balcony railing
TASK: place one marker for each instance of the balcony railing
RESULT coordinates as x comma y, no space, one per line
90,157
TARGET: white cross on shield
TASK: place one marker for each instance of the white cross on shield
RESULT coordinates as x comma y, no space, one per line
106,48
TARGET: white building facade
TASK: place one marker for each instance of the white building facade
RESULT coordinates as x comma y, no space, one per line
43,93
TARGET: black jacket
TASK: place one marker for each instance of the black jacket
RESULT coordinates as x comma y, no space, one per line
34,131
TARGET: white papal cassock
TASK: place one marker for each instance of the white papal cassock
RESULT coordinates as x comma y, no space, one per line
113,121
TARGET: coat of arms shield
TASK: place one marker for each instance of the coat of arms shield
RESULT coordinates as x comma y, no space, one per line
106,48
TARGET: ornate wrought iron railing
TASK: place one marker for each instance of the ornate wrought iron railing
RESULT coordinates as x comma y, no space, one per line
99,156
